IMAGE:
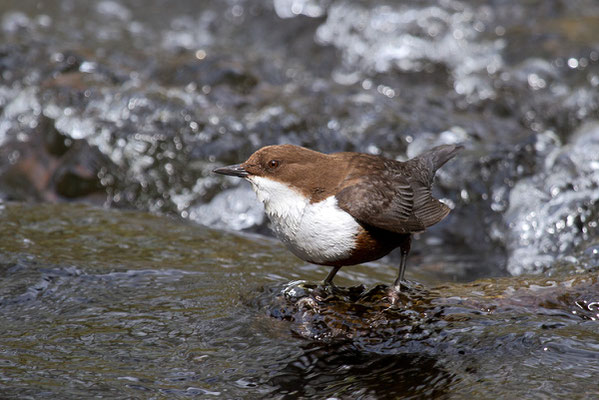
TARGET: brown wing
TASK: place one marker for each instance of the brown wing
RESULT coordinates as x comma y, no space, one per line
396,204
382,203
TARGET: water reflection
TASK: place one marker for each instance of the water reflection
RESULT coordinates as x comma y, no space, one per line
328,370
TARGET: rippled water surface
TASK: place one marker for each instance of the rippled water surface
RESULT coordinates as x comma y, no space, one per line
129,105
127,304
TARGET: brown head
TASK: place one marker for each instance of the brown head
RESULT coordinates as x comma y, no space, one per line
306,170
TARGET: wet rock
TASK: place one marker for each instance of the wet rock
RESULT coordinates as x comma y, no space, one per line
419,320
47,165
78,173
377,318
207,72
55,143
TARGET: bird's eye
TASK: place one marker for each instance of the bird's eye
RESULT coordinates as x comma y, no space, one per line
272,164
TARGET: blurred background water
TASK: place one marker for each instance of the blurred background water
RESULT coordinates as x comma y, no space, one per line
130,104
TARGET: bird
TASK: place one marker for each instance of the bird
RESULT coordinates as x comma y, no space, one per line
345,208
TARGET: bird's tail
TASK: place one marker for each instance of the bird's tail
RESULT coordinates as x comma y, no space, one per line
428,209
437,156
431,160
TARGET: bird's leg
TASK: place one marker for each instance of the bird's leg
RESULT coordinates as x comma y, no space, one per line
405,249
329,279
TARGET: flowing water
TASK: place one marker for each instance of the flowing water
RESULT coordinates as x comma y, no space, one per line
127,304
167,283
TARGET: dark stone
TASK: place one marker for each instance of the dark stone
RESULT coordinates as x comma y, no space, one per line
50,166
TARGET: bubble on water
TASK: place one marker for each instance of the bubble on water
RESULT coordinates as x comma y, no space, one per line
536,82
293,8
572,63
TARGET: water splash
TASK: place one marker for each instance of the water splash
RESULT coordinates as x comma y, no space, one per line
555,210
380,38
232,209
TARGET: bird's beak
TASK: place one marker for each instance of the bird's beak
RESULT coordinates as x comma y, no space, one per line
232,170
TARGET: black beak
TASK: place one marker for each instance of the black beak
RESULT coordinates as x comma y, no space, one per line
232,170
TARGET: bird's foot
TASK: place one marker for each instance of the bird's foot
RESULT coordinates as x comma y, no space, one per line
398,291
393,295
326,289
327,283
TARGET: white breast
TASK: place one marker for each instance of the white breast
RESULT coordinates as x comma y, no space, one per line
319,233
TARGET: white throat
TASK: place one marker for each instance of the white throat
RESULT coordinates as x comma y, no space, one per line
319,233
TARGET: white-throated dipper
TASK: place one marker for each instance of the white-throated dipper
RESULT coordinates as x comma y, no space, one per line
345,208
